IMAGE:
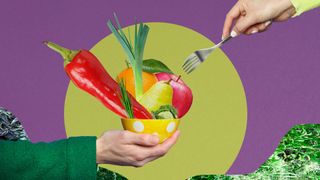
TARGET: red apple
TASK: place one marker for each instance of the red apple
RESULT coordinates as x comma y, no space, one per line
182,94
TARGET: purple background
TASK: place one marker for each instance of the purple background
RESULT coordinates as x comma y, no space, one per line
280,69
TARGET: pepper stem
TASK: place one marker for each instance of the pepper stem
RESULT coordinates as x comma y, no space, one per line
66,54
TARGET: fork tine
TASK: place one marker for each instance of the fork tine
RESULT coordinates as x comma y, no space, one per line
187,61
190,63
192,66
189,58
191,70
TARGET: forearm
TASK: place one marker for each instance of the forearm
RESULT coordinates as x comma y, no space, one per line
73,158
302,6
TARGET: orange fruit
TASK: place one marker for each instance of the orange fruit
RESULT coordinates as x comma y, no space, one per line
148,80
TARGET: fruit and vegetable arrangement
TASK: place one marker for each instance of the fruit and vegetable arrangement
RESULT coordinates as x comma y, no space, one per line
150,81
145,90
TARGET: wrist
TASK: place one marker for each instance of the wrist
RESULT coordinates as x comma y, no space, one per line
277,7
282,10
98,152
285,4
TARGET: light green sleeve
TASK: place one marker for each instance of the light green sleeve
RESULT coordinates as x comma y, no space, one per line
304,5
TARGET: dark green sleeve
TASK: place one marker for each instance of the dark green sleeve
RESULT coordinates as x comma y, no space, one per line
73,158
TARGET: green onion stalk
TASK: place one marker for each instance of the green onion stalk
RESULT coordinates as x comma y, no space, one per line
125,99
134,53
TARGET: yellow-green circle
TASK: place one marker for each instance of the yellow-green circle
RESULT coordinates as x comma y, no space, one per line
213,130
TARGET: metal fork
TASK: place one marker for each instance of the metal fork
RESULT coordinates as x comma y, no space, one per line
199,56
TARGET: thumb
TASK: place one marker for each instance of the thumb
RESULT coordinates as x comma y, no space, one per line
243,23
144,139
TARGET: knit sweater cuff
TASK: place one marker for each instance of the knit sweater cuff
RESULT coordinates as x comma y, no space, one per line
81,158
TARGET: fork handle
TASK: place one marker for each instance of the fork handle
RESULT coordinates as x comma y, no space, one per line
224,41
209,50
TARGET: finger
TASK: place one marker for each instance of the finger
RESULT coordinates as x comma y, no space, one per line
163,148
172,140
147,154
145,161
233,14
243,23
258,28
142,139
285,15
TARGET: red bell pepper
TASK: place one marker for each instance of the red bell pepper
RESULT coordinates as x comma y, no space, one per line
87,73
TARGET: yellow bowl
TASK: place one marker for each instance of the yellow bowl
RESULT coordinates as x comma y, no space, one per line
163,128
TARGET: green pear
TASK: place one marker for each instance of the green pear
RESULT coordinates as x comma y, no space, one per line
158,95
